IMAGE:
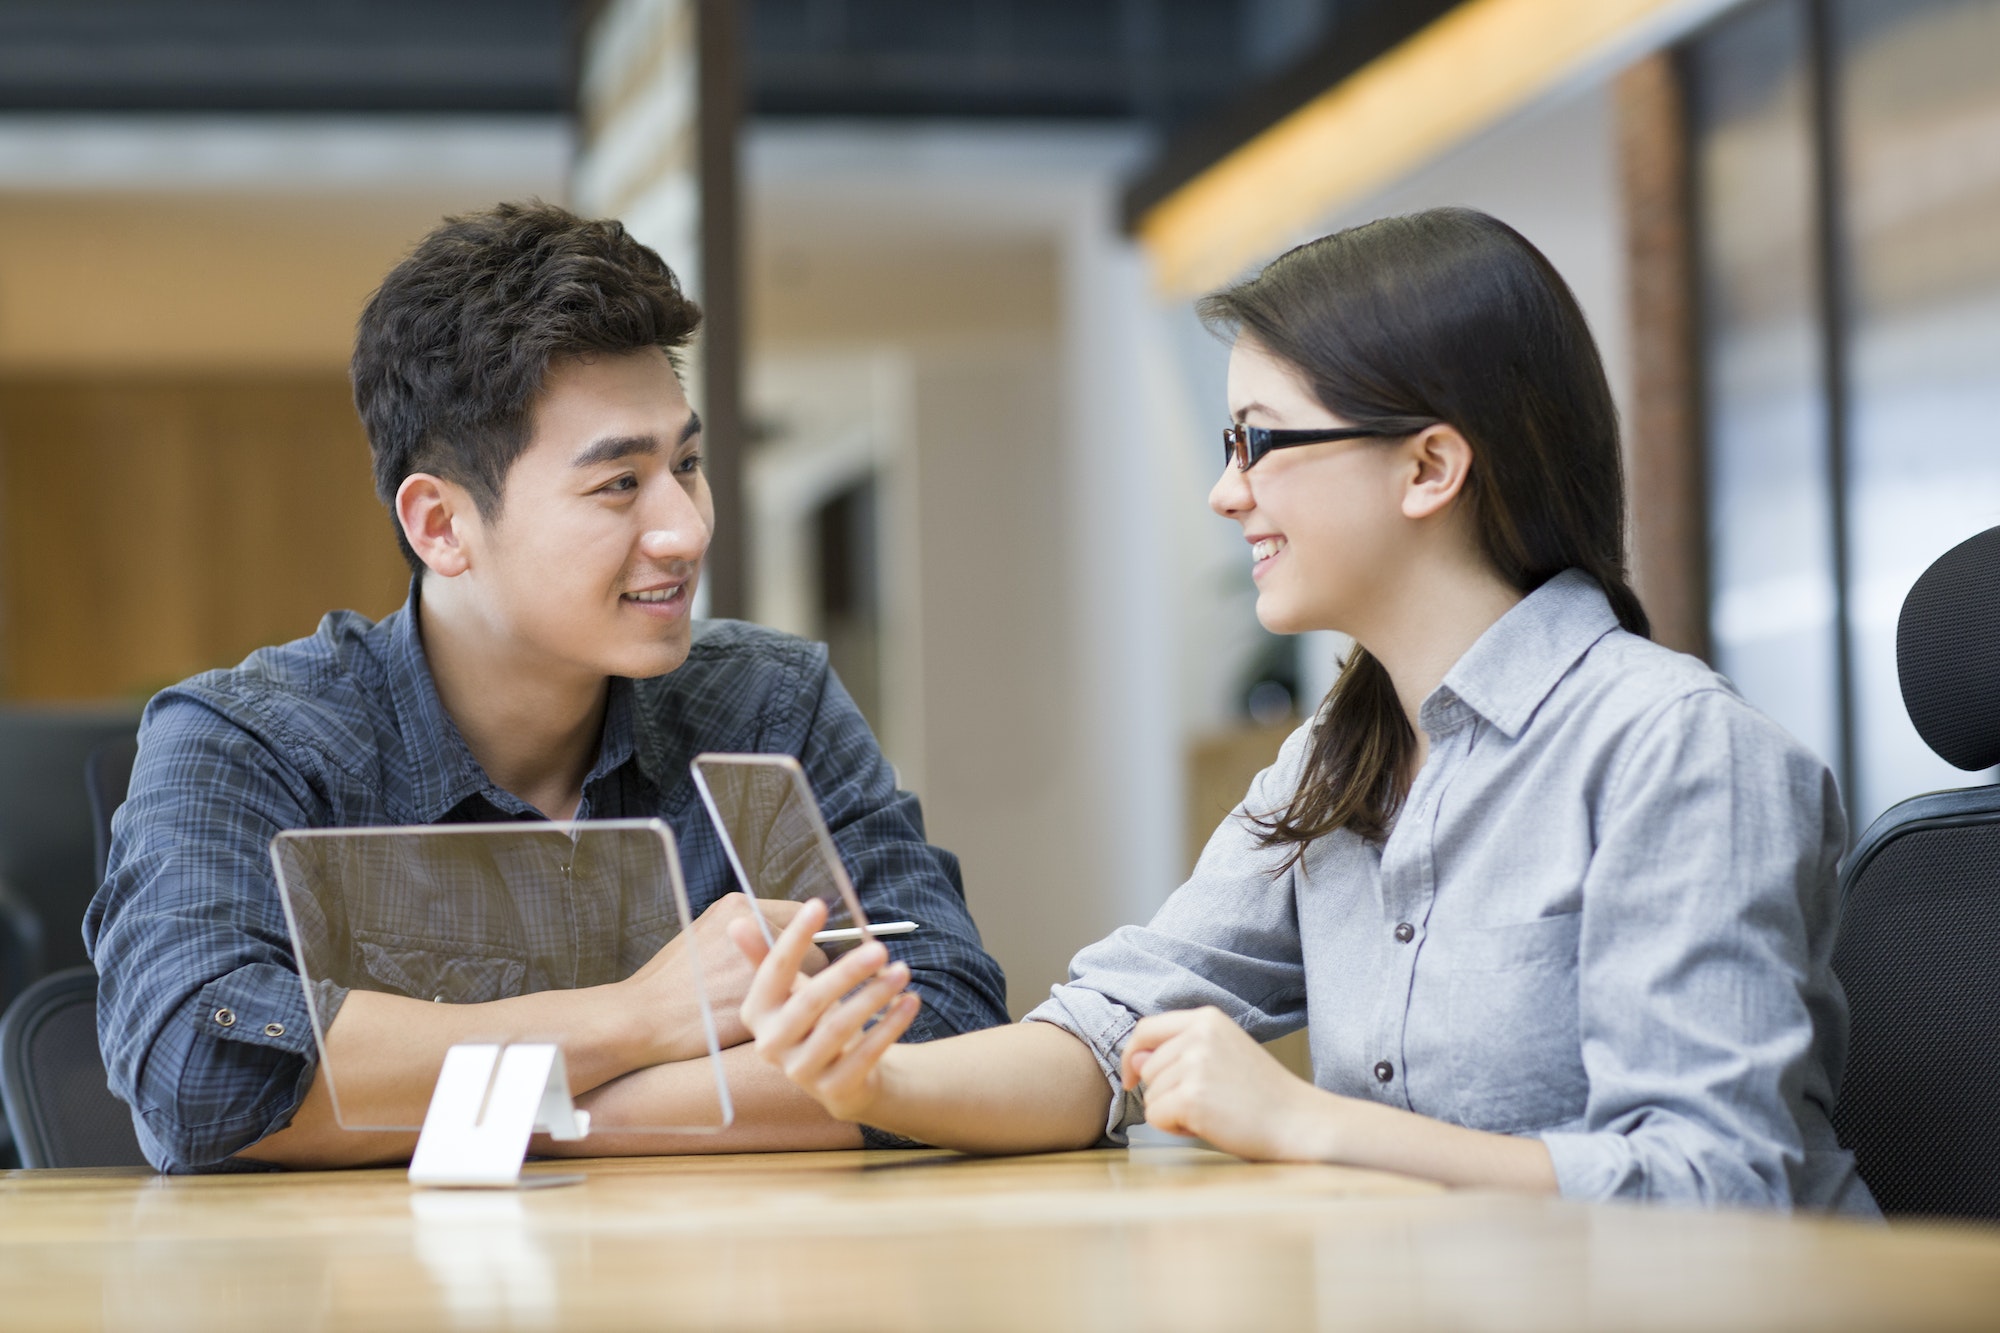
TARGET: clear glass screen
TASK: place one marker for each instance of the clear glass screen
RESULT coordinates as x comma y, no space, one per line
497,918
775,836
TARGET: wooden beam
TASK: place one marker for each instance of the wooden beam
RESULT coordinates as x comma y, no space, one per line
1480,62
1664,473
1351,44
719,62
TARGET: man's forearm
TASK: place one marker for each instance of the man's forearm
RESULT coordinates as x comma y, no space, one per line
314,1140
772,1115
384,1053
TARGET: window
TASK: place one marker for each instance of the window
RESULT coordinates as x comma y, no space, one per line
1847,187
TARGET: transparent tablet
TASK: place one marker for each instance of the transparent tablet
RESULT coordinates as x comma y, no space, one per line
776,838
482,914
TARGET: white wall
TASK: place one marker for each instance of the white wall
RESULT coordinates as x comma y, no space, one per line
988,262
1551,173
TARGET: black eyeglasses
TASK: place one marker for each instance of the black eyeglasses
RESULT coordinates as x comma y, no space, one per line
1244,445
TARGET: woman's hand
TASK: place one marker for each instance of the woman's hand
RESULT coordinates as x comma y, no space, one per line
802,1025
1206,1076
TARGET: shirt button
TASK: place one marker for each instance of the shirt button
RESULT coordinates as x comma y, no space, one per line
1384,1071
225,1017
274,1029
1405,933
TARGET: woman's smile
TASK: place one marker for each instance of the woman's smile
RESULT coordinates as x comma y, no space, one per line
1263,551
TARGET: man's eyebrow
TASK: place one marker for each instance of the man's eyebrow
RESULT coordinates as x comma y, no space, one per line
614,447
1244,411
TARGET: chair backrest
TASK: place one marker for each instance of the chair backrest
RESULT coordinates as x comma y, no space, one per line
46,829
20,944
1919,948
107,776
52,1078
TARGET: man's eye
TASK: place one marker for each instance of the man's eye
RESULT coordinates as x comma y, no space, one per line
628,482
692,463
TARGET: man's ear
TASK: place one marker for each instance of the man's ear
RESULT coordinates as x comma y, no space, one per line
1441,459
434,514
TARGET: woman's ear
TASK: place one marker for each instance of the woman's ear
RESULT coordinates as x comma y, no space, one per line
432,512
1441,459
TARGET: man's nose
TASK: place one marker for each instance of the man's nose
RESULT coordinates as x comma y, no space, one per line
676,529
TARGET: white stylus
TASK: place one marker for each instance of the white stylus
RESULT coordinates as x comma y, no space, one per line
855,932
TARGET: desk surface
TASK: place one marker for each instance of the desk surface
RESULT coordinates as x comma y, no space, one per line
1162,1238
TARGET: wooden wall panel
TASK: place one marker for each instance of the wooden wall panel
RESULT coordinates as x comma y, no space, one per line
151,528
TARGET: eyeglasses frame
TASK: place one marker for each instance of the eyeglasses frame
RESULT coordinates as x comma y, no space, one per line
1246,446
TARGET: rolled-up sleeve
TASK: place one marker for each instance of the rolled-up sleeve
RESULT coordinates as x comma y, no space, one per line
1227,938
201,1017
1710,887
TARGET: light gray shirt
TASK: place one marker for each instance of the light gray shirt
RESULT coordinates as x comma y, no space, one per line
1604,918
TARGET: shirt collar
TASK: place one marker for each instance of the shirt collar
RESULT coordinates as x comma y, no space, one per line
1517,662
439,767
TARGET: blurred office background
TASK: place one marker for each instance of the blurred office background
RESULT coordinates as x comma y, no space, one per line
965,419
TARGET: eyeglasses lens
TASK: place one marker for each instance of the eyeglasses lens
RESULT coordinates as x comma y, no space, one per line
1235,447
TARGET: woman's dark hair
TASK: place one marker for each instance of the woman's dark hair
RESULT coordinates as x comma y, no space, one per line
1447,316
453,346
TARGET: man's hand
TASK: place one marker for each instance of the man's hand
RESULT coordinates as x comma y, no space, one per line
802,1025
662,992
1206,1076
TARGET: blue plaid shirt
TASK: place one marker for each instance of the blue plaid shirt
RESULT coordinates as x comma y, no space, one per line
200,1010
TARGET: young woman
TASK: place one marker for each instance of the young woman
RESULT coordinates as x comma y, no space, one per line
1557,904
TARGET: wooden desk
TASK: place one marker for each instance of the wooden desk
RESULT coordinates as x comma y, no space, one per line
1159,1239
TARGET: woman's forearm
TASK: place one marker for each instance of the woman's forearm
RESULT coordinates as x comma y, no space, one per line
1207,1077
836,1035
1030,1087
1383,1138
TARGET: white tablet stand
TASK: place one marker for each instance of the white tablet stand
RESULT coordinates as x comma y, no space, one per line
488,1101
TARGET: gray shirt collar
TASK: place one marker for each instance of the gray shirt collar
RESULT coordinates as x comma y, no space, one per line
1512,667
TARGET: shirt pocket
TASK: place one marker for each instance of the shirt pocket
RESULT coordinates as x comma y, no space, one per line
1516,1044
427,970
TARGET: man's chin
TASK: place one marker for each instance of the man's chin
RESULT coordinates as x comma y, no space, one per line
654,659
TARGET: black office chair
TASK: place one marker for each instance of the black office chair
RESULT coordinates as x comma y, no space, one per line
107,776
1919,950
20,944
52,1078
47,831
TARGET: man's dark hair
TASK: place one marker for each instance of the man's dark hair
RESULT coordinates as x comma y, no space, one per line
453,346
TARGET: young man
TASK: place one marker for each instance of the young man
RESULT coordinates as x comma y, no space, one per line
530,433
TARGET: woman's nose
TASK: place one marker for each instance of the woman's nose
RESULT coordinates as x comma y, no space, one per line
1230,496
